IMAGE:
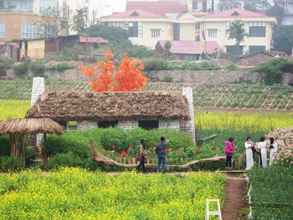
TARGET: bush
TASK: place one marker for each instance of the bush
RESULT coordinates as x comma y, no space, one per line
155,64
21,69
68,159
60,67
140,52
8,163
38,69
73,142
114,138
4,146
5,64
273,70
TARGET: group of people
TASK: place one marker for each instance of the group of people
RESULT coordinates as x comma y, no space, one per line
161,151
256,153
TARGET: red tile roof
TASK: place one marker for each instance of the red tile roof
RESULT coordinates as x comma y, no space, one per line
241,13
134,14
160,7
192,47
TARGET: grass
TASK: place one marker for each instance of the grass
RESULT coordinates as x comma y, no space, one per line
13,109
78,194
272,193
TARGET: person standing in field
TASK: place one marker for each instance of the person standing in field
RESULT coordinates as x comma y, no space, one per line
229,151
273,150
262,147
249,147
142,157
161,150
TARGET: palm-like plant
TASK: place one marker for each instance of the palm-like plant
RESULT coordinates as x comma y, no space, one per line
237,32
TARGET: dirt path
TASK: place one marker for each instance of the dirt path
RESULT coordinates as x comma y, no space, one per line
235,204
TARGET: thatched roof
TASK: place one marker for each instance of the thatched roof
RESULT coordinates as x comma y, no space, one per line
30,126
66,106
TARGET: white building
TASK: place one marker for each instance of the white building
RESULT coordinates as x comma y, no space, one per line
95,9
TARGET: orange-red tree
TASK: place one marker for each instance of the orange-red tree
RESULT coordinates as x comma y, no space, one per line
104,76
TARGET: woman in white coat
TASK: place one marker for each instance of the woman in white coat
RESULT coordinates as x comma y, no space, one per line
262,146
249,146
273,150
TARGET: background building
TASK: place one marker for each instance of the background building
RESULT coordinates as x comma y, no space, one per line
151,22
27,19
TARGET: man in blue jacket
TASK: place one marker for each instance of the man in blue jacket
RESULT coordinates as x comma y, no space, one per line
161,150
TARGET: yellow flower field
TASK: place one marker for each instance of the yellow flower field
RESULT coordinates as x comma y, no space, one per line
253,121
13,109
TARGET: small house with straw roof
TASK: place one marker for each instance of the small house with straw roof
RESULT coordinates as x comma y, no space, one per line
86,110
147,109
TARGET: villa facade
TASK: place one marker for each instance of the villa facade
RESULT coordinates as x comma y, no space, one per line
173,21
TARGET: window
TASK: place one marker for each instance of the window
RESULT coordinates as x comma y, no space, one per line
195,4
155,33
107,124
257,49
17,5
133,29
72,125
148,124
257,31
176,31
2,30
212,33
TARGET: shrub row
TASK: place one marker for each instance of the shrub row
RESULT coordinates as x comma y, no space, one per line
161,64
77,143
38,68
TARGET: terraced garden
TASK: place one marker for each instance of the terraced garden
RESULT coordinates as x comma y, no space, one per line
228,97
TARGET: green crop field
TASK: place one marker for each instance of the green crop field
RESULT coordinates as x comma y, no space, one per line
272,193
79,194
238,96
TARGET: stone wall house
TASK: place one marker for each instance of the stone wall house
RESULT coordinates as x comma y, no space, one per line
145,109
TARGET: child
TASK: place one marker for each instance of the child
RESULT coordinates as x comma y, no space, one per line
142,157
229,151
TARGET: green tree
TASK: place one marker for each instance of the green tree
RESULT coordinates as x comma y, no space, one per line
228,4
277,12
167,47
80,20
237,32
283,38
255,5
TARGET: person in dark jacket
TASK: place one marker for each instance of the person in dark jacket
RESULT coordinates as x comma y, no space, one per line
142,157
161,150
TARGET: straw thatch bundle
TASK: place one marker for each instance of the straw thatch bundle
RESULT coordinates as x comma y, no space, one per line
30,126
66,106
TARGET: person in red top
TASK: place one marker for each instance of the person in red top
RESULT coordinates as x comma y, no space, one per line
229,151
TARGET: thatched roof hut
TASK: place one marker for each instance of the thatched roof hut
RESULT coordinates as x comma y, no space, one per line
73,106
18,128
30,126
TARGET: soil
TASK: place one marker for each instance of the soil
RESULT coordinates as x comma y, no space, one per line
235,203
